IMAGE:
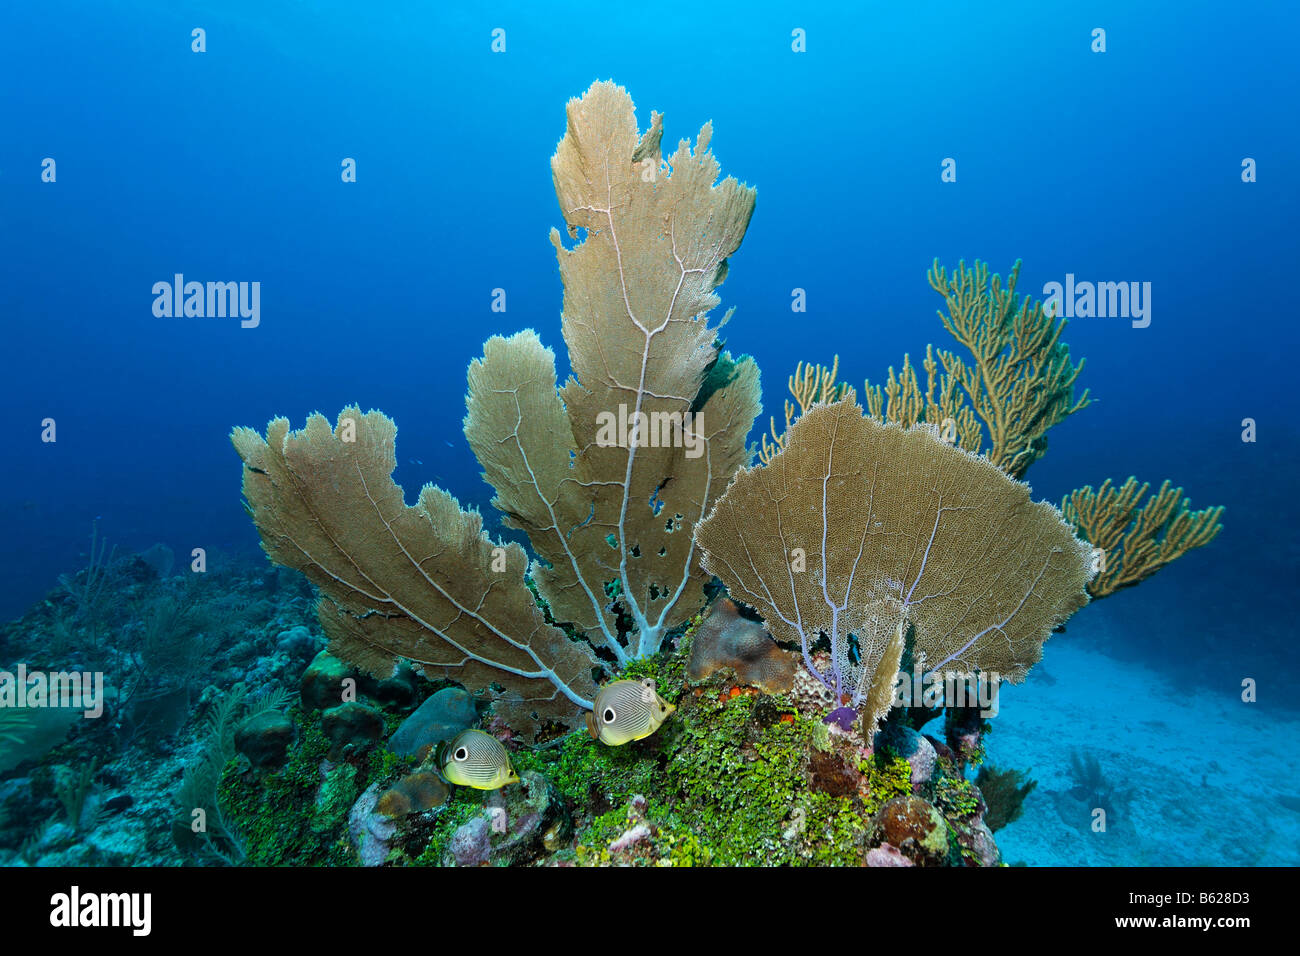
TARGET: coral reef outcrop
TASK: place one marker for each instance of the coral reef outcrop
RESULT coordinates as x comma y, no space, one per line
872,534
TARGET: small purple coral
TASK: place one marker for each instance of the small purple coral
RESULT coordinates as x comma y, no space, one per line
842,717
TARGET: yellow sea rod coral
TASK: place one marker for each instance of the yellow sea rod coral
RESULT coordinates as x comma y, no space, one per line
1019,379
809,385
1015,383
1136,540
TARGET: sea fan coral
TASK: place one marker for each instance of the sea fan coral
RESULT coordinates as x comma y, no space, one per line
609,511
868,533
607,476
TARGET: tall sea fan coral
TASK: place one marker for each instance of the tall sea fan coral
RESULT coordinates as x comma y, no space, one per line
866,533
607,476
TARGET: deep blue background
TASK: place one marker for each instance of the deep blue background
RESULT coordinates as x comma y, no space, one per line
225,166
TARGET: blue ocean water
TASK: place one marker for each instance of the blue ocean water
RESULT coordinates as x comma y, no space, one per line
1123,165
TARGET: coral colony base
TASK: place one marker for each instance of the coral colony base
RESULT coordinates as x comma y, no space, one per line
709,653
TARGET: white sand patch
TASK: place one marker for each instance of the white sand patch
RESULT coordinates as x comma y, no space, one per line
1206,771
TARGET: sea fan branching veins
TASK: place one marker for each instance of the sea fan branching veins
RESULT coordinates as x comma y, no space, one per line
871,534
610,522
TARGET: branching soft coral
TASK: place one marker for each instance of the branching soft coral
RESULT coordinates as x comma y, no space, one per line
609,510
1136,540
866,533
942,404
1019,379
1018,383
13,722
900,402
810,384
1015,384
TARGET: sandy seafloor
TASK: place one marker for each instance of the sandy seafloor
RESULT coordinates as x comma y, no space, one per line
1207,772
